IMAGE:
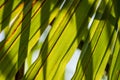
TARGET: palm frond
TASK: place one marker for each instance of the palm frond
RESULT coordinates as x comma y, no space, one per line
95,23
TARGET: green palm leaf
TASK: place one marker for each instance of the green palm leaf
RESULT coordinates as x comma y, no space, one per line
56,28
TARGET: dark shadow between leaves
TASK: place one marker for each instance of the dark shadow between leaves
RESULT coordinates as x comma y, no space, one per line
24,39
86,67
45,10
